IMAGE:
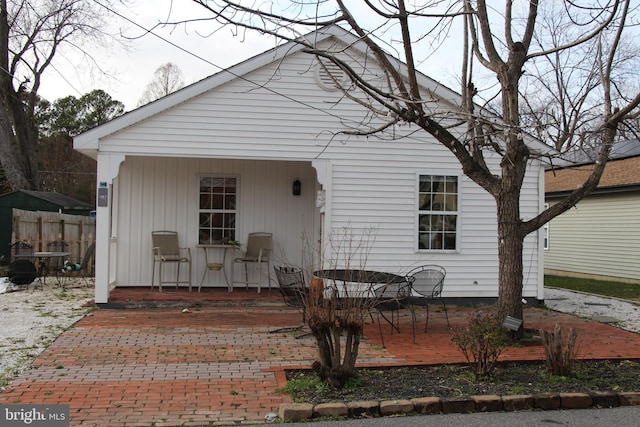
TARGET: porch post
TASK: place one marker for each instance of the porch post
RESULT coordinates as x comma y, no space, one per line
325,178
107,169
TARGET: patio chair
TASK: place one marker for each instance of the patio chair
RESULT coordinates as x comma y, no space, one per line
294,293
258,252
391,298
55,264
166,250
20,248
426,286
83,269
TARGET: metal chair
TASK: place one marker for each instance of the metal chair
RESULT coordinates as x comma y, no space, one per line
392,297
294,293
20,248
258,252
81,269
166,250
426,286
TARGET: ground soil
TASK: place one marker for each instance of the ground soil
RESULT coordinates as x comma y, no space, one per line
457,380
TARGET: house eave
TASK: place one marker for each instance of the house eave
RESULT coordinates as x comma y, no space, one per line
598,191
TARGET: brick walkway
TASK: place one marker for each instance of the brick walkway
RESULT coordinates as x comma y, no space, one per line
221,366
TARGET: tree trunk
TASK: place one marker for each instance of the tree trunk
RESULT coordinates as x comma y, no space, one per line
18,131
514,167
510,246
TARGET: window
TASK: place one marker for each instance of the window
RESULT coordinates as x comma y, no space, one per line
437,212
217,214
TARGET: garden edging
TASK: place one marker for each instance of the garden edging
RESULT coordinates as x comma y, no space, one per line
291,412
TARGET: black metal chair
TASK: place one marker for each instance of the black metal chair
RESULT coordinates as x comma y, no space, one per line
391,298
427,282
81,269
20,248
294,293
55,265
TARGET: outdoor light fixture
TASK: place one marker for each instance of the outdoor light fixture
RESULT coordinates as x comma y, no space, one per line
297,187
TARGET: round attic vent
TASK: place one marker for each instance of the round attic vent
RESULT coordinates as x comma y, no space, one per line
330,76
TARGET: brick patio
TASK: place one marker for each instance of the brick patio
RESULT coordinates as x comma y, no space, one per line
218,363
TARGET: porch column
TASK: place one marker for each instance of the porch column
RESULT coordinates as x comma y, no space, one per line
107,169
324,172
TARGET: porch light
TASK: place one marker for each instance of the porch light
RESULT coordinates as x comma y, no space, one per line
297,187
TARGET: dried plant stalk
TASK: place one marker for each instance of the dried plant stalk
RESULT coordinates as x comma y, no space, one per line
560,349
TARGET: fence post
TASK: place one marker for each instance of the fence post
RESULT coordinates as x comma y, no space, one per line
40,233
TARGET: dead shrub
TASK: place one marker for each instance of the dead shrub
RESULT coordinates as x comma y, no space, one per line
481,340
560,349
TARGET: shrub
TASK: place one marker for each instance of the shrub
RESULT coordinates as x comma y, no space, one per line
560,349
481,340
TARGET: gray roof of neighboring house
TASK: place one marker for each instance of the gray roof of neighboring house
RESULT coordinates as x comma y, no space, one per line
582,156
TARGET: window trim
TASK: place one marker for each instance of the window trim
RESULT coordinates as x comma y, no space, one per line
199,210
417,212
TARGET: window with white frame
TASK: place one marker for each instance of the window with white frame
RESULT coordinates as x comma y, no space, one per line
217,212
437,212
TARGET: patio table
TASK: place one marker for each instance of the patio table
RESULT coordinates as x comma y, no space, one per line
355,283
211,265
43,260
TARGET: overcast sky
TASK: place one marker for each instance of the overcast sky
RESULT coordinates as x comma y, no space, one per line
129,70
197,56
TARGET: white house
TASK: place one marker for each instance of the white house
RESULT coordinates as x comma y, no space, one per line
267,122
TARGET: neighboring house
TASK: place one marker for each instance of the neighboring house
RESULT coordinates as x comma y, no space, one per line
599,237
274,119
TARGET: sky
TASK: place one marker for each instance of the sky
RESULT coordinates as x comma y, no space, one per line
124,73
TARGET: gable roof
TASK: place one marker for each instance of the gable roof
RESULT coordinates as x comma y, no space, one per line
88,142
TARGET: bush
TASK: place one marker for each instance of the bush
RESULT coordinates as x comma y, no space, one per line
481,340
560,349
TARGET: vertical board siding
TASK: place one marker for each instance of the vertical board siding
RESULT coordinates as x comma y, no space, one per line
162,194
598,236
266,128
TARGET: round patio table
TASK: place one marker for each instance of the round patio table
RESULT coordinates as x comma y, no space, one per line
355,283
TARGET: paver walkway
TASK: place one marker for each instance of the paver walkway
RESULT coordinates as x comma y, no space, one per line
221,366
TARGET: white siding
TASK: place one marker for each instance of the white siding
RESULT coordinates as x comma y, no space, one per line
599,236
162,194
266,128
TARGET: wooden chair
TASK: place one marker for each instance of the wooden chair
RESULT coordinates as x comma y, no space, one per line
166,250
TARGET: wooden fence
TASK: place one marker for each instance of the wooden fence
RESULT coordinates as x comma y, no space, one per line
39,228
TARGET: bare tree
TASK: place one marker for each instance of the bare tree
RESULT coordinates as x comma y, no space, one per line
499,43
167,79
31,35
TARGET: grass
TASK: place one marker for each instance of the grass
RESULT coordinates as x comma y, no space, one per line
627,291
